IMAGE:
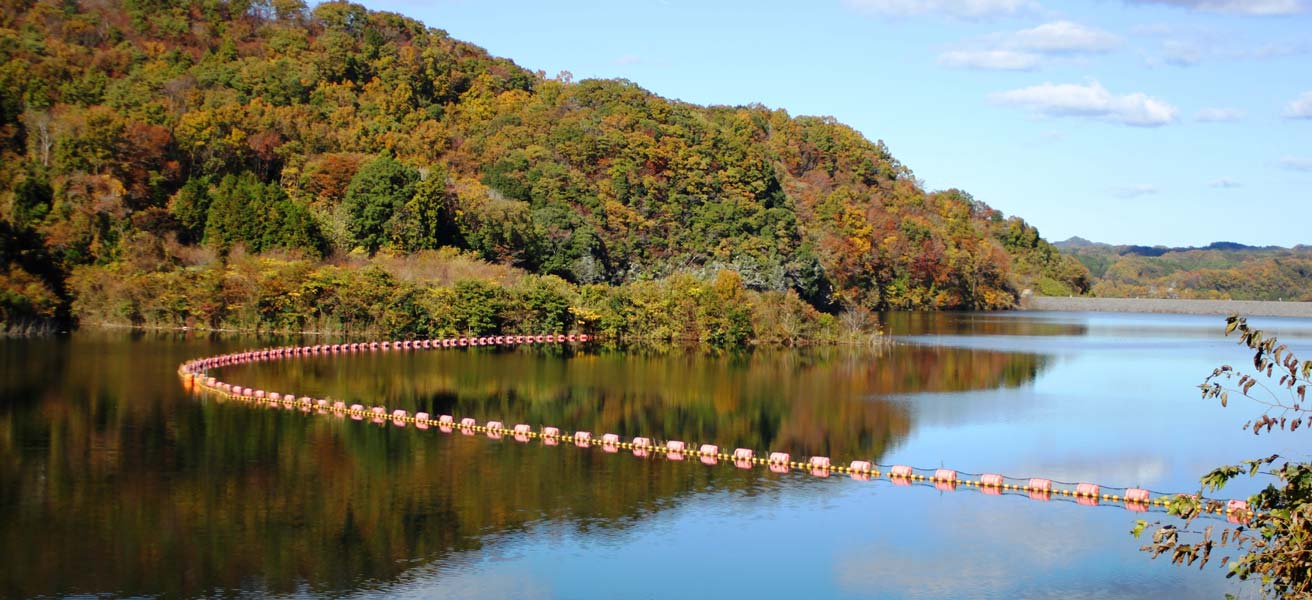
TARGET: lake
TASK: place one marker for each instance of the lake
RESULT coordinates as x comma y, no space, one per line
116,481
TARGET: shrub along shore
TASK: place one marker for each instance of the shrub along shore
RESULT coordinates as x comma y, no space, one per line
445,293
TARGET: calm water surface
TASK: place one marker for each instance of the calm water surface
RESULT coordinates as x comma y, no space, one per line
115,482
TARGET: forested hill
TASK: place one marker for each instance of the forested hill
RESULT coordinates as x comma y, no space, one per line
149,136
1221,270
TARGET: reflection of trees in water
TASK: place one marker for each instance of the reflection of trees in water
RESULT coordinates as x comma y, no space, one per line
112,480
958,323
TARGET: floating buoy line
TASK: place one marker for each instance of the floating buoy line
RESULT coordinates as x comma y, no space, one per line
195,377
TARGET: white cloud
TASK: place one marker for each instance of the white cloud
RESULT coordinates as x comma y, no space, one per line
1062,37
1300,108
1134,191
1296,163
1025,49
1090,101
997,60
1218,115
1225,183
1242,7
964,9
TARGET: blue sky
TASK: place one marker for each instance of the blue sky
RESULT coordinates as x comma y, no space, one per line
1177,122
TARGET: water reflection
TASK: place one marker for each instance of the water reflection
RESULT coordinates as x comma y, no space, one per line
982,324
114,481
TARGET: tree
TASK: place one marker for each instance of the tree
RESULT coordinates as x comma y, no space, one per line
379,189
1275,539
427,220
244,209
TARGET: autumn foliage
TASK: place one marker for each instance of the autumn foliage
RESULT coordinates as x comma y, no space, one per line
190,128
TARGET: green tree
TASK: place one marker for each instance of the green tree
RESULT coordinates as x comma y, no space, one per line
427,220
379,189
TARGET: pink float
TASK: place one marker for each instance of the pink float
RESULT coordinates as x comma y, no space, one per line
991,480
901,472
860,470
945,475
710,454
582,439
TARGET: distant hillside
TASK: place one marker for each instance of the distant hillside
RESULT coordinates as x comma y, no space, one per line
143,136
1220,270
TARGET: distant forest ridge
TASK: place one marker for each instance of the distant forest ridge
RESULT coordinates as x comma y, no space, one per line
162,160
1076,243
1220,270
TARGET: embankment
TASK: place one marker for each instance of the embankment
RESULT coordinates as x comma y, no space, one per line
1255,308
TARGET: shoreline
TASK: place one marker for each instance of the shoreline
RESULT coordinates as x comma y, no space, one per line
1250,308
